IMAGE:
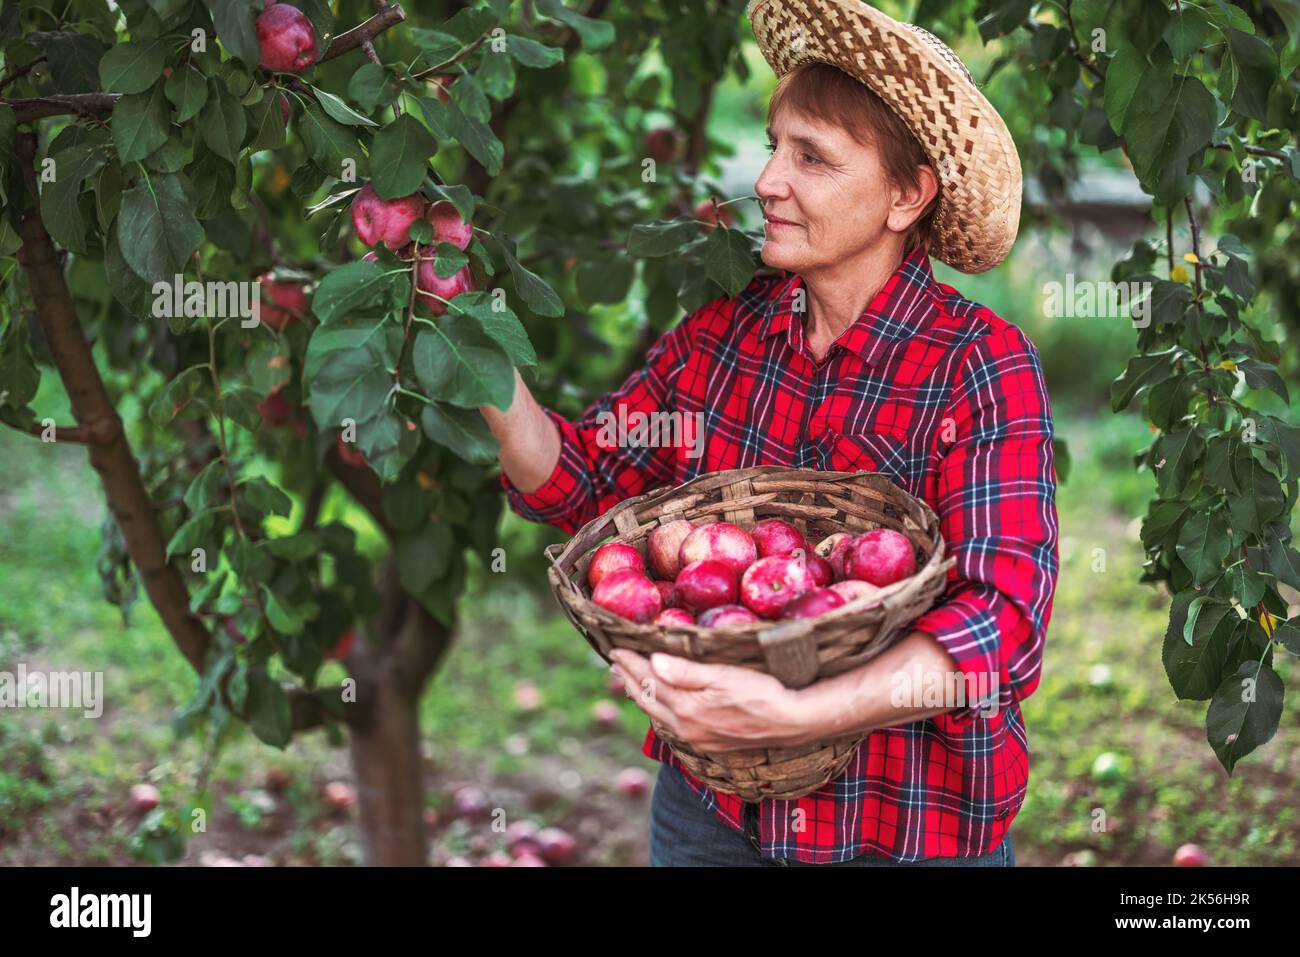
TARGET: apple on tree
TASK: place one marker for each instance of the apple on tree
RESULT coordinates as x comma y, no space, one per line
433,289
350,456
387,221
286,40
447,225
661,145
710,216
282,302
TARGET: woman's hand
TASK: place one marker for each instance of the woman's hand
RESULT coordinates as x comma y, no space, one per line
712,707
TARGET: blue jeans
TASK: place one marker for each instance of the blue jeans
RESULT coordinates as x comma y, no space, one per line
684,833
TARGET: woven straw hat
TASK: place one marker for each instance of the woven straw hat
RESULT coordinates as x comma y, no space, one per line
931,90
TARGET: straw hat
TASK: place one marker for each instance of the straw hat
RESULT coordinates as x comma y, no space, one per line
930,89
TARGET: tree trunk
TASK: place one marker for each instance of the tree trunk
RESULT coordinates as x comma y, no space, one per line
390,793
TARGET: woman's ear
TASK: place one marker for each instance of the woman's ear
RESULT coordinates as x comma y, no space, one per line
912,200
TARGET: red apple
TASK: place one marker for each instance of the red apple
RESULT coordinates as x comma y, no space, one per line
469,801
498,859
632,782
275,409
1191,855
629,594
704,211
820,569
664,547
813,604
142,798
611,557
388,221
769,584
775,536
882,556
674,616
285,109
527,696
282,302
286,42
442,86
528,860
348,453
447,225
233,631
338,795
434,289
706,584
343,647
661,145
605,712
556,845
668,592
719,541
726,615
851,590
521,837
836,549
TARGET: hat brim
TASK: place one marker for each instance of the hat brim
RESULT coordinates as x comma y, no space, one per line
966,140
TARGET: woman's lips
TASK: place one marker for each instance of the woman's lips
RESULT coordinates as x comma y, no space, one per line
774,223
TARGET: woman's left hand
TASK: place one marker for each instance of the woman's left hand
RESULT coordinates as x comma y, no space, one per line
711,707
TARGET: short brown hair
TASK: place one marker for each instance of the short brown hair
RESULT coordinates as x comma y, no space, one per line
830,95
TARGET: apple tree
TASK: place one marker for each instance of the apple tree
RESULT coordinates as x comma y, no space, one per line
279,255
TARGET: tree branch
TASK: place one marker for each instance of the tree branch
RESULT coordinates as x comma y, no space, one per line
101,431
97,104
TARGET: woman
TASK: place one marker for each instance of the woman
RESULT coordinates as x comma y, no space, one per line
883,151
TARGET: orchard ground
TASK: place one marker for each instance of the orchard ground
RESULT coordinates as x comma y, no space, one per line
1106,735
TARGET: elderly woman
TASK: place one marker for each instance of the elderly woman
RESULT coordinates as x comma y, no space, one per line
854,358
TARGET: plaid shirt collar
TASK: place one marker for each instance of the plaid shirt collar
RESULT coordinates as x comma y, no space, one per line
903,307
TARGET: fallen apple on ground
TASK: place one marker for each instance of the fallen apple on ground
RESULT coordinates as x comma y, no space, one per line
142,798
1191,855
338,795
632,782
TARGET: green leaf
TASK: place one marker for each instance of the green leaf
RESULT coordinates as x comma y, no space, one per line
595,34
205,487
423,558
459,364
533,54
187,89
662,239
234,20
371,86
264,497
496,74
209,592
461,430
1260,500
1244,713
1203,544
499,321
605,279
1195,670
156,227
131,67
1186,32
539,296
268,125
196,530
1129,79
19,376
399,157
329,143
477,138
340,111
1143,372
1257,70
73,60
222,122
1282,561
1164,134
449,259
269,715
295,548
729,260
140,124
1263,375
347,372
1181,451
351,288
60,206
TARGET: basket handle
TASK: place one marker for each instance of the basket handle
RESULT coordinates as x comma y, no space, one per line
790,652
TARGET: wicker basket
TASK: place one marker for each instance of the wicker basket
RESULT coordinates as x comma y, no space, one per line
798,651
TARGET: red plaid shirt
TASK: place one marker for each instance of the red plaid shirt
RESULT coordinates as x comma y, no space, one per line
947,399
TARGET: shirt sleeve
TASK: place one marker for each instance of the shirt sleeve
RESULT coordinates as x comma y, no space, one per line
997,511
624,444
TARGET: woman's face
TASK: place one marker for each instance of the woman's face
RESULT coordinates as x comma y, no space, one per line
826,197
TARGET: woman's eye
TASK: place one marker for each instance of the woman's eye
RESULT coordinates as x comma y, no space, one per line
771,147
810,159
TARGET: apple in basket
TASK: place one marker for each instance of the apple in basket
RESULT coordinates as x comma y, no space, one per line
668,592
881,557
720,541
610,557
629,593
813,604
820,569
664,548
770,583
775,536
851,589
835,549
726,615
706,584
675,616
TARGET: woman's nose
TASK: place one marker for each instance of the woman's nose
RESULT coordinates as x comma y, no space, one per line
772,182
